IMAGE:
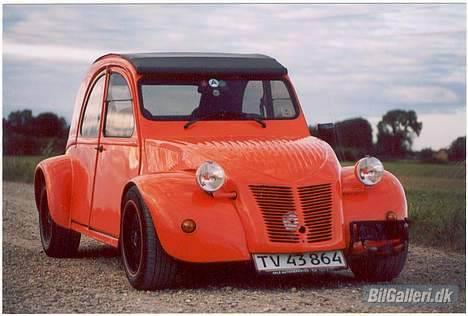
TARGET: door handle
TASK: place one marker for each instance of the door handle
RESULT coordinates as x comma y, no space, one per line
99,148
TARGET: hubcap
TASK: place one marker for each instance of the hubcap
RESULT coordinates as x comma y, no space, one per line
132,238
45,221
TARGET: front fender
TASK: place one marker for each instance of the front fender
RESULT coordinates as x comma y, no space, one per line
174,197
56,174
371,203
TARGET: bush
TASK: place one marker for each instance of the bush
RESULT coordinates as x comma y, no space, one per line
350,153
457,150
25,134
426,155
17,144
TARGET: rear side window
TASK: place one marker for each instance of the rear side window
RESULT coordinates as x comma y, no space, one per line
119,116
92,115
253,97
281,100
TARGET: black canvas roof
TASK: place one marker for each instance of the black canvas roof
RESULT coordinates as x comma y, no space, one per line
205,63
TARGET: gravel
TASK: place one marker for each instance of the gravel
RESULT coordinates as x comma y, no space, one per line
94,282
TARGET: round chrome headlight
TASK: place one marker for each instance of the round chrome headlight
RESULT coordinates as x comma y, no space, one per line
210,176
369,170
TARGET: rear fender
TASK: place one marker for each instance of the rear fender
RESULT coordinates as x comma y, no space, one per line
56,174
174,197
371,203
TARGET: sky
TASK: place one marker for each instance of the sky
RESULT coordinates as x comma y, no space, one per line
345,60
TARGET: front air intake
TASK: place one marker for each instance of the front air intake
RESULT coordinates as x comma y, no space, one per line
276,204
316,204
285,221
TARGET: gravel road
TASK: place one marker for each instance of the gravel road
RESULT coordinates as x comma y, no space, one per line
95,282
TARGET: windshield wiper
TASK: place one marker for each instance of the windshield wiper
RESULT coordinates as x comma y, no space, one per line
223,114
194,120
258,120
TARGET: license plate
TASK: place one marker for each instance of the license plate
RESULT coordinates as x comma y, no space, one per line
290,263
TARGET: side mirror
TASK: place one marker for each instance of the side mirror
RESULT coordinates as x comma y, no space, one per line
327,132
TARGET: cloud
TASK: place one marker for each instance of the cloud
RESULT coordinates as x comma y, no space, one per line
422,95
346,60
50,53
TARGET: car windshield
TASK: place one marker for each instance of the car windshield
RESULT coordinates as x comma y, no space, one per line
215,99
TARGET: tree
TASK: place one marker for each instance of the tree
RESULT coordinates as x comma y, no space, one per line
24,134
355,133
350,139
426,155
396,132
457,150
21,122
49,125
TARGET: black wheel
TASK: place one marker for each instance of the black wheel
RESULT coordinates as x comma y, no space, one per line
378,268
146,264
57,241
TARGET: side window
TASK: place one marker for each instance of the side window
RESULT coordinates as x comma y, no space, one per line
119,116
253,95
282,104
92,115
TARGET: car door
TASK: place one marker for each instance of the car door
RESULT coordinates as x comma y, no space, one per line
118,158
84,154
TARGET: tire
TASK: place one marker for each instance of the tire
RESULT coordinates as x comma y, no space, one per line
378,268
57,242
147,265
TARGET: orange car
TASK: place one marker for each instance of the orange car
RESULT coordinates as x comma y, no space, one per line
208,158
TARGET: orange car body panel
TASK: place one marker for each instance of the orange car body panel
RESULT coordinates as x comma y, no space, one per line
291,162
371,203
117,164
86,187
56,172
219,235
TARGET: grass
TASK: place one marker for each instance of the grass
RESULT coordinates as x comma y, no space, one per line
20,168
435,195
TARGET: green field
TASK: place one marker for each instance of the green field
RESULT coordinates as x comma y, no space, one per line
436,202
435,194
20,168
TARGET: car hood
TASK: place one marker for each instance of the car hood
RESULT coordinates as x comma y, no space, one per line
281,159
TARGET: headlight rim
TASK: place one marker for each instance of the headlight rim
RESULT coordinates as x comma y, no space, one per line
357,167
205,188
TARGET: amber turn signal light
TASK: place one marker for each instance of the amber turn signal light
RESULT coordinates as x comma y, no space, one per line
391,216
188,226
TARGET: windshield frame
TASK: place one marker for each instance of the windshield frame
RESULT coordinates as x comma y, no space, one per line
178,78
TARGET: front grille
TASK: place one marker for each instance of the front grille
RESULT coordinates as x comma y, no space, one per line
316,204
285,222
275,203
